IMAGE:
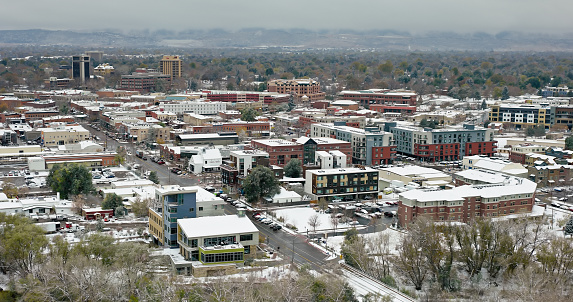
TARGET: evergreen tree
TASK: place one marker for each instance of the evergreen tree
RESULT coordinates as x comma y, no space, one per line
112,201
505,93
153,177
293,168
70,180
569,227
259,183
569,143
248,115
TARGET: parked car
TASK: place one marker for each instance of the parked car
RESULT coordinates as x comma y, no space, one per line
160,162
276,227
388,214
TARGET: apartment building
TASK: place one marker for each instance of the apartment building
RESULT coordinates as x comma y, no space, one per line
443,144
300,89
312,145
240,163
172,203
525,115
551,174
464,203
342,184
171,65
215,245
518,152
370,146
380,96
281,151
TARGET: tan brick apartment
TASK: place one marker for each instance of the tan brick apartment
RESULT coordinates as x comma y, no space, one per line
461,204
298,88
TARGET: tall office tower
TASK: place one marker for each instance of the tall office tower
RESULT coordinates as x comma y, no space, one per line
81,68
171,65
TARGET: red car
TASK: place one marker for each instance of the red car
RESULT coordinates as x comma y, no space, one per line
160,162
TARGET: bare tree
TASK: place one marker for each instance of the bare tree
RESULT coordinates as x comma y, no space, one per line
334,222
78,203
314,222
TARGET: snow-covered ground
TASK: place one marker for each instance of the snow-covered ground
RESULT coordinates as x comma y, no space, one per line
394,239
299,217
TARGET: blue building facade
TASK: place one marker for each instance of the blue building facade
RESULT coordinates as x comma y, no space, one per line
177,205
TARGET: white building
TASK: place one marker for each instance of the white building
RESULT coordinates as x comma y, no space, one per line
286,196
330,160
215,243
198,107
209,159
494,164
247,159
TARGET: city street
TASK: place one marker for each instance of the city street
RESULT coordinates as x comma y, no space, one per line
165,176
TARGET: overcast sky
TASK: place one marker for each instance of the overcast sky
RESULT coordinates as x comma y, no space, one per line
415,16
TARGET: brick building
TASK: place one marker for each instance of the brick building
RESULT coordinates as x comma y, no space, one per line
403,109
464,203
370,146
442,144
244,96
300,89
144,81
380,96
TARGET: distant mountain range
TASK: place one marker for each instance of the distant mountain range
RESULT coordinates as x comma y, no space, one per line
294,39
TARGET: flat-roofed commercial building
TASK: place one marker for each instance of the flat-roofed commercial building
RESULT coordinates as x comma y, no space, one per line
380,96
218,243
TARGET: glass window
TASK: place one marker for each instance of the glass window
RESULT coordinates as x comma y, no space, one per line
246,237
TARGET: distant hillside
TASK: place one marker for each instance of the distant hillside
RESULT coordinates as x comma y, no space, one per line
295,38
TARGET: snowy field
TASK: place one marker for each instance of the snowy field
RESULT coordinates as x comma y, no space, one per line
394,239
299,218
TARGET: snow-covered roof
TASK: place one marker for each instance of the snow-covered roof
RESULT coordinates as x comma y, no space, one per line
524,186
412,170
343,102
482,176
216,226
341,171
286,194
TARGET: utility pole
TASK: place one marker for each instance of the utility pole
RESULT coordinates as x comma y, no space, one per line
292,260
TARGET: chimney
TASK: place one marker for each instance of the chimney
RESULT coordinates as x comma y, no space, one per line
58,196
